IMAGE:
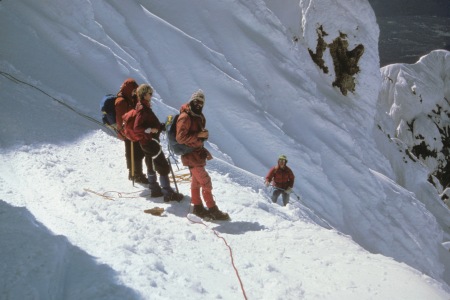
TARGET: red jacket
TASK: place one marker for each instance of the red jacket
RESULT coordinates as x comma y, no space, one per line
188,127
281,178
124,102
146,118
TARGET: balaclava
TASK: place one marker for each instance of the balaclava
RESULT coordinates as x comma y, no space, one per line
199,97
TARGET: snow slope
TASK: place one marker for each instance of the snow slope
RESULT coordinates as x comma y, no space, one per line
264,97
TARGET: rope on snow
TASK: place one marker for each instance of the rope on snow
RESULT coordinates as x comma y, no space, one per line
16,80
229,249
119,194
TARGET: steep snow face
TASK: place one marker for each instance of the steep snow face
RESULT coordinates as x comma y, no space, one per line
289,14
326,24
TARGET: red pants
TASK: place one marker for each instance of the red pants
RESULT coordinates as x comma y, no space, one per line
200,179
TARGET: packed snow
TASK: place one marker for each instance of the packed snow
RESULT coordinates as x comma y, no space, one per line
363,221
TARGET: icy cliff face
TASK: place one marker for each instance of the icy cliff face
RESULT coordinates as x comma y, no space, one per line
417,100
343,47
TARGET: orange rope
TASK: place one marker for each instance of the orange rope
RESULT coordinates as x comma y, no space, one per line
104,195
182,178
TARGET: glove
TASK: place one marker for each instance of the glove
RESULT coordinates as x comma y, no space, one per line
203,135
289,190
151,130
203,153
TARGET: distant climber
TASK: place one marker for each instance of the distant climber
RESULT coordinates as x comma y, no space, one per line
282,179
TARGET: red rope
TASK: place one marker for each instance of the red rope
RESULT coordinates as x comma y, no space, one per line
230,250
119,194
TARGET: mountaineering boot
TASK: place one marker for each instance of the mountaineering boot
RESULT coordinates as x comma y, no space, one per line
216,214
169,193
155,189
139,178
200,211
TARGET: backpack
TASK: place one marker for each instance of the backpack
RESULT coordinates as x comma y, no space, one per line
171,131
128,125
107,107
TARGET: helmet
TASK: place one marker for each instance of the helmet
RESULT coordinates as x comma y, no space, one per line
282,157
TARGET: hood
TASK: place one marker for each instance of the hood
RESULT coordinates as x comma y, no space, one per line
127,88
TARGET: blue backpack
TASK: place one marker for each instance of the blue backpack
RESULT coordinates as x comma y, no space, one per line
171,131
107,106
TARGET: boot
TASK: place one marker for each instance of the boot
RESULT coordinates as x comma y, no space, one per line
169,193
140,178
200,211
216,214
155,189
